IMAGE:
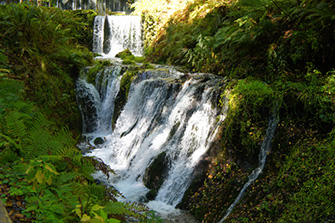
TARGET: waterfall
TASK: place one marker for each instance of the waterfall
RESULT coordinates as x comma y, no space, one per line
100,6
164,114
98,34
265,147
113,34
96,101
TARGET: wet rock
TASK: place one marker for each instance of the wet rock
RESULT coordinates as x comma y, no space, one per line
155,174
98,141
107,34
151,194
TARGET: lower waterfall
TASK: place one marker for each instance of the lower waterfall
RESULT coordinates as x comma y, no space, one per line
169,116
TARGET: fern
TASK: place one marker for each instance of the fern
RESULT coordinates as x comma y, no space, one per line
15,124
71,152
67,177
96,190
10,140
64,136
38,144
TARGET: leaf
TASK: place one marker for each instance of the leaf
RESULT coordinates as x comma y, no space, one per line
112,220
51,168
78,210
96,208
85,218
39,176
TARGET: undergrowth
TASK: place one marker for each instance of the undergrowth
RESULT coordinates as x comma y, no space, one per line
264,39
43,175
43,49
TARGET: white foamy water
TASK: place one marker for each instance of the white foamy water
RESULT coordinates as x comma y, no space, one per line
113,34
161,116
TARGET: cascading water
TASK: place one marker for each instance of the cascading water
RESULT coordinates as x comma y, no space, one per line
96,101
101,5
265,147
113,34
164,114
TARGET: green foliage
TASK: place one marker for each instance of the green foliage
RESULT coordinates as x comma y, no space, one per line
312,168
41,46
41,163
310,102
42,172
244,38
250,102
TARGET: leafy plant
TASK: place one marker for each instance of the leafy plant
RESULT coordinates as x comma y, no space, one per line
42,44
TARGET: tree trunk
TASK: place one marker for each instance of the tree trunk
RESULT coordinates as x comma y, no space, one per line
4,218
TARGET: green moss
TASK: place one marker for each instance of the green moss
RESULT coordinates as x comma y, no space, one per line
99,65
173,130
156,173
139,59
126,54
250,102
129,58
128,61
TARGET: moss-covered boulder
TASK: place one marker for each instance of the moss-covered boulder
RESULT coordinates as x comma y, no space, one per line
156,173
126,54
98,141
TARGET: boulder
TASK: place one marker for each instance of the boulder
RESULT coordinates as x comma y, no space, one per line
156,173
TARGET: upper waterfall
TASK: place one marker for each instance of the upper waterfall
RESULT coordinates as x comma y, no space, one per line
113,34
100,6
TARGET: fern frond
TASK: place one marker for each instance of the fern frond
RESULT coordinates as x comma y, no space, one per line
51,158
39,143
39,122
67,177
23,107
96,190
11,141
15,124
66,151
65,137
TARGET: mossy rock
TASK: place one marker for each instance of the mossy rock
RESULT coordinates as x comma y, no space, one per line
98,141
151,195
126,54
128,61
156,173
